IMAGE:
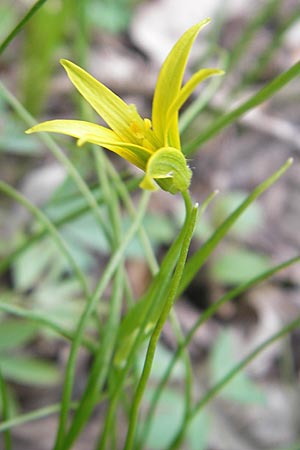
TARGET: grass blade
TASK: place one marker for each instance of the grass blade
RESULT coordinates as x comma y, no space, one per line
21,24
207,314
5,412
230,375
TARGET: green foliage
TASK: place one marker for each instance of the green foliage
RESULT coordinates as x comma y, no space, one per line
58,290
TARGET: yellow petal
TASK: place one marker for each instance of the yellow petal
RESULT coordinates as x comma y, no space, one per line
96,134
75,128
135,154
169,84
123,119
186,91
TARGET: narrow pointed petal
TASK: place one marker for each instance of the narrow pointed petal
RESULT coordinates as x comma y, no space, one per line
135,154
169,84
123,119
75,128
187,90
96,134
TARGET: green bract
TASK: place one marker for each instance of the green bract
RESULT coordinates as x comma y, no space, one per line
153,147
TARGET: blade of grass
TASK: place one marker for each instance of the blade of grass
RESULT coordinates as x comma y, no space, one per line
172,292
5,412
211,393
261,96
102,361
138,319
101,364
207,314
196,261
37,414
137,322
37,5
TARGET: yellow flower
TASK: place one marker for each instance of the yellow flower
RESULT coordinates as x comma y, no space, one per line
153,146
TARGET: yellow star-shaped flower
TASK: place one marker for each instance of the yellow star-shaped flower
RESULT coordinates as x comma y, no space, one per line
154,147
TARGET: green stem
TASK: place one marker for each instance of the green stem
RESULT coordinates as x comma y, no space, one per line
31,416
5,411
90,307
207,314
197,260
100,366
154,299
21,24
191,214
227,378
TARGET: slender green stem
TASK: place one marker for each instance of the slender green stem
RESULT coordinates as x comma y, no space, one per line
154,298
211,393
90,307
207,314
32,416
100,366
21,24
43,219
188,394
191,213
261,96
5,411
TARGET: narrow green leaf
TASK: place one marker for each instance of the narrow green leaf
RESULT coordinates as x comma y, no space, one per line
5,411
209,312
21,24
211,393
